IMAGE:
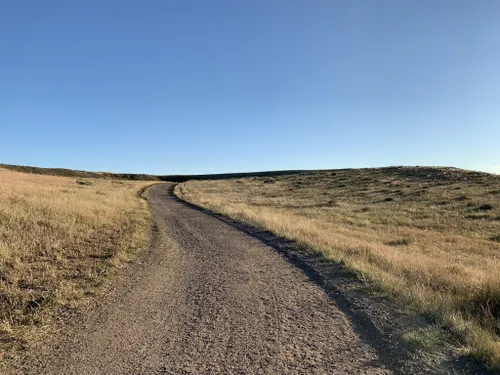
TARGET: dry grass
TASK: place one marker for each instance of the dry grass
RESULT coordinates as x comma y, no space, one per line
59,238
429,236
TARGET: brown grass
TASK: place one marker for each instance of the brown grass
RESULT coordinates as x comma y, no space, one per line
59,238
428,236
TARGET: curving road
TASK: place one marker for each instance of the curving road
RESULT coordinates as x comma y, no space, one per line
208,299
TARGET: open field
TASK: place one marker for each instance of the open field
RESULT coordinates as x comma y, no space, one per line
59,238
427,236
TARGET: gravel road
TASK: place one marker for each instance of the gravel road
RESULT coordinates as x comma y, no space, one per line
207,298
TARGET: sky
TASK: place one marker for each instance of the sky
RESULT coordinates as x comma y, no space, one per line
179,87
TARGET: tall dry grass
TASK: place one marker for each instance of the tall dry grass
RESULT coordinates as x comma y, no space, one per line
430,236
59,238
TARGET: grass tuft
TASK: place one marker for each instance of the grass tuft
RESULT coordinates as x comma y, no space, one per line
84,182
400,242
485,207
429,338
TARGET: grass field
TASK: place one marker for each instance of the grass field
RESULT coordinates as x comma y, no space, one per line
427,236
59,238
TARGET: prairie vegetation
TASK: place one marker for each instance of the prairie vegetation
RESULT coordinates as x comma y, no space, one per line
80,174
427,236
59,238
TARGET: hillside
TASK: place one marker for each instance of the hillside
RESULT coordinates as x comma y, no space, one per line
60,238
63,172
428,236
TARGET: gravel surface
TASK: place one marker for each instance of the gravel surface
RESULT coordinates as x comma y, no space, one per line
206,298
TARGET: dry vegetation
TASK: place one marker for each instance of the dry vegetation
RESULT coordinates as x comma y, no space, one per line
59,238
429,236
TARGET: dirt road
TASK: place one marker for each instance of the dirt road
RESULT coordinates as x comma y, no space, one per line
209,299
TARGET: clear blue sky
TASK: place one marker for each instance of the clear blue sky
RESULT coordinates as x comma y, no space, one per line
184,86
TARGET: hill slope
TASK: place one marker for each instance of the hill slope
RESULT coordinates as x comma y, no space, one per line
430,236
59,238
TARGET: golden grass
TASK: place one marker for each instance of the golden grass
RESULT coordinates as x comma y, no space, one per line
430,236
59,238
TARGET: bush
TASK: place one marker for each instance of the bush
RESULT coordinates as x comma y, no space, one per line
84,182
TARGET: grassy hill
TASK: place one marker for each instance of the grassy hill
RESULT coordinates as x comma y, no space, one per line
62,172
428,236
59,239
139,177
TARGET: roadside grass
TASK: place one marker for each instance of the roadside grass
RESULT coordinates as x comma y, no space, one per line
59,239
427,236
432,337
